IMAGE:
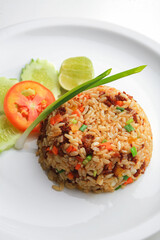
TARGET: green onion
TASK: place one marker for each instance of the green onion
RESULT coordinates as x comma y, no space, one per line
94,173
83,127
105,140
85,162
74,121
134,151
89,157
129,128
125,177
120,108
99,80
129,121
118,187
60,171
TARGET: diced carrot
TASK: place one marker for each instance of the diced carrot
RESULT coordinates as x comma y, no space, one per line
55,150
81,108
78,166
74,149
56,119
119,103
71,149
129,180
80,159
118,171
107,145
76,112
70,176
74,127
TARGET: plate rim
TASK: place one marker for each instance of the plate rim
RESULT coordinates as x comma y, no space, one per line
143,230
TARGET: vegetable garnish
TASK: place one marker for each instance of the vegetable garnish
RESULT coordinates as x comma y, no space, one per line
83,127
107,145
134,151
94,173
56,119
76,112
70,176
43,72
129,180
71,149
8,134
74,121
22,106
5,85
78,166
60,171
129,128
129,121
125,177
87,159
99,80
119,103
118,187
105,140
55,150
120,108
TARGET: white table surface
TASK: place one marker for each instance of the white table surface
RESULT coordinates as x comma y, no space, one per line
142,16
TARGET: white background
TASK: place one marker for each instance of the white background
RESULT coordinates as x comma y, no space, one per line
142,16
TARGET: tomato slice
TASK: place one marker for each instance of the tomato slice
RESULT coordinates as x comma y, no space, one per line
25,101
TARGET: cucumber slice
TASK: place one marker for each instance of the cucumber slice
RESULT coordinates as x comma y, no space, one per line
43,72
5,85
8,134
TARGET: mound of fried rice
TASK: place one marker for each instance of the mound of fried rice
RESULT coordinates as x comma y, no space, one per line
85,143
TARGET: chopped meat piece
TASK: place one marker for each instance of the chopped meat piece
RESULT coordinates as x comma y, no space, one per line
131,158
89,136
44,151
135,117
43,125
109,101
120,98
130,97
128,109
89,151
137,173
143,167
65,128
61,110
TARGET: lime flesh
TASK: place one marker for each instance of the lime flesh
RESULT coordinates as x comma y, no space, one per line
75,71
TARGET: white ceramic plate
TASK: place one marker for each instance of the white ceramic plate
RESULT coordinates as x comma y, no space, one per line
29,208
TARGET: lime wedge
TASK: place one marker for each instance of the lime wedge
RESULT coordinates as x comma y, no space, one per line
43,72
8,134
75,71
5,85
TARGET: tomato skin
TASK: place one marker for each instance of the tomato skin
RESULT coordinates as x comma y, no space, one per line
20,110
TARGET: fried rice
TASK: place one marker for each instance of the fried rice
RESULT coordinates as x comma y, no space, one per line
99,141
